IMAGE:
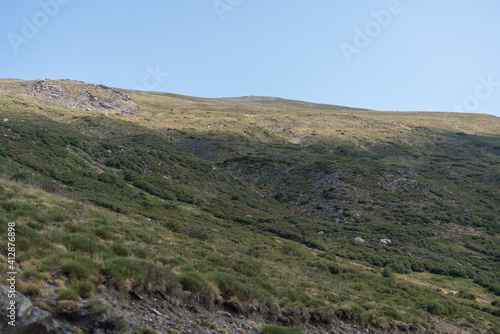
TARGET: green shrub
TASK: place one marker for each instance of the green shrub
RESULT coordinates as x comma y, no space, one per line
109,178
74,266
439,307
140,251
85,289
53,187
68,294
148,330
229,285
140,275
81,242
195,283
388,272
268,329
98,309
120,249
75,269
102,233
390,313
19,176
35,225
466,295
400,267
116,321
31,272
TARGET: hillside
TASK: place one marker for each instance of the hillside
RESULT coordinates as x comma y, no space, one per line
139,210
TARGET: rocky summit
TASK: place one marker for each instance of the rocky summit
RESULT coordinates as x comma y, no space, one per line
81,97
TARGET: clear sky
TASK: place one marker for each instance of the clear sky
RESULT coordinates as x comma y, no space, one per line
423,55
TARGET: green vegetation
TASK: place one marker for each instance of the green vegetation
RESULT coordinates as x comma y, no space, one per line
148,330
279,330
253,206
68,294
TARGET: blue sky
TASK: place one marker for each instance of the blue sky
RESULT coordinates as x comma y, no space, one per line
387,55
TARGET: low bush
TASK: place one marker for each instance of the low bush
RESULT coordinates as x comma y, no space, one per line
140,276
68,294
466,295
85,289
195,283
268,329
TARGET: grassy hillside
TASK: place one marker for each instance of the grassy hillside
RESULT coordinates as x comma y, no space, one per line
253,205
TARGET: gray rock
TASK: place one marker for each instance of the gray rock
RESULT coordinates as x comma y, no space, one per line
358,239
157,312
385,241
29,319
225,314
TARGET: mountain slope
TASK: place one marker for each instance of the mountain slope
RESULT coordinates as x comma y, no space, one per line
263,207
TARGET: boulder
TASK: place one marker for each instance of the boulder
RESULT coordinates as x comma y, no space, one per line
385,241
358,239
29,318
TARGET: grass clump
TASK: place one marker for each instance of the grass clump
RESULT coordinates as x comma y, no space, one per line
268,329
230,285
98,308
32,273
71,265
195,283
85,289
466,295
68,294
140,275
148,330
81,242
114,320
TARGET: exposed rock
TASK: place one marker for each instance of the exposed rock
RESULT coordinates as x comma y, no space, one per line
157,312
403,181
385,241
225,314
71,95
285,172
358,239
29,319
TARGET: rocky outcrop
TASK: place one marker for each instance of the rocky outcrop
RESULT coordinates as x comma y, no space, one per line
27,318
79,96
